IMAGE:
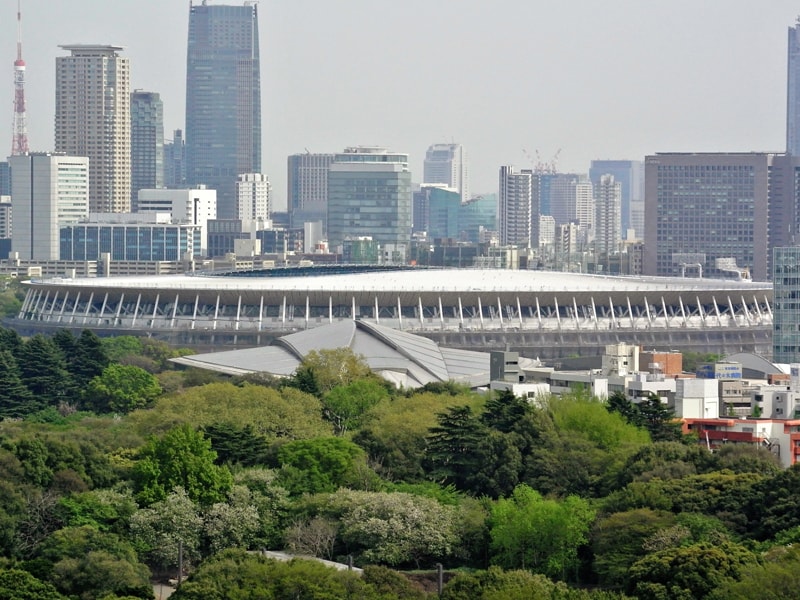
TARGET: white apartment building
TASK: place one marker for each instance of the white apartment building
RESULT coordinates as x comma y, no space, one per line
607,215
514,207
253,196
93,119
5,217
47,191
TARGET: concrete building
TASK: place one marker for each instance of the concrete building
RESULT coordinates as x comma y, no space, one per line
630,175
607,219
6,219
447,164
147,142
253,196
48,190
223,99
705,207
195,206
130,237
93,119
307,188
514,207
369,194
696,398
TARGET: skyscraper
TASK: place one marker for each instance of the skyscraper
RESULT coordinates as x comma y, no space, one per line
253,196
308,187
447,164
147,142
48,190
93,119
793,91
607,221
514,207
369,194
706,206
223,99
175,161
630,175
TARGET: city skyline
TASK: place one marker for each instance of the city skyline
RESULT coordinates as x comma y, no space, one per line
664,84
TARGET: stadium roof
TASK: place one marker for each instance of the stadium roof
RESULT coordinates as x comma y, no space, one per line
405,359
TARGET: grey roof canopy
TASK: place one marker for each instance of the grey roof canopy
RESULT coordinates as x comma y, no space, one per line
405,359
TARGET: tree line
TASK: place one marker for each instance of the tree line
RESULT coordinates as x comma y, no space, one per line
113,466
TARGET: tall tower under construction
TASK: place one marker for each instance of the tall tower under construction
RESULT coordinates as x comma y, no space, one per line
19,143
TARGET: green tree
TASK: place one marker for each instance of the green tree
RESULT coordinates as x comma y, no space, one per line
544,536
121,389
182,458
688,572
43,370
87,563
159,531
89,358
10,340
16,584
237,574
322,370
659,420
234,523
452,447
346,405
120,347
16,399
236,444
319,465
777,577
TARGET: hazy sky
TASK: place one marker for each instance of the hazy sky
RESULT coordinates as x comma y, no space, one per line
595,79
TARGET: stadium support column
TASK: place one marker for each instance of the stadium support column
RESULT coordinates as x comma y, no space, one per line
377,312
716,310
330,309
216,314
746,312
400,313
613,313
538,312
647,310
155,310
630,312
55,299
594,316
460,313
575,313
63,307
238,313
683,312
194,312
758,309
261,312
480,311
102,309
75,308
174,311
135,308
119,309
88,308
666,314
558,312
421,314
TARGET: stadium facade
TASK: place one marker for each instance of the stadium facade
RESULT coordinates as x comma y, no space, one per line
538,313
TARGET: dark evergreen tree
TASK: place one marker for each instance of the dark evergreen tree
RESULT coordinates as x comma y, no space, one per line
43,369
16,400
234,444
504,411
65,340
89,358
659,420
10,340
453,447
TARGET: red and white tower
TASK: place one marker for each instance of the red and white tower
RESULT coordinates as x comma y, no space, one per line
19,143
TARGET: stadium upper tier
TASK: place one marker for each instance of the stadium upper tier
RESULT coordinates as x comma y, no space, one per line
197,309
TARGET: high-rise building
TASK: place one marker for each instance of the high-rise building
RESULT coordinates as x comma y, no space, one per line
223,99
93,119
47,191
196,206
607,219
514,207
147,142
175,161
630,175
307,188
6,218
786,305
703,207
253,196
447,164
5,178
793,91
557,195
369,195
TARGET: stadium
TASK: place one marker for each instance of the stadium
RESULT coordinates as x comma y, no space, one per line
545,314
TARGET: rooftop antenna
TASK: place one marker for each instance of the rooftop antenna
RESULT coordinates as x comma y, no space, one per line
19,142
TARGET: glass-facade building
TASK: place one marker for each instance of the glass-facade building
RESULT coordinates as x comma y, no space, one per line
793,91
147,142
369,195
130,242
786,305
630,175
223,99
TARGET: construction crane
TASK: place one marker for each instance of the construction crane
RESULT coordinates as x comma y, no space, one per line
540,166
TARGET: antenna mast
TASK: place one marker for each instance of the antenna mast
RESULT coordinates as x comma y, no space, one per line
19,143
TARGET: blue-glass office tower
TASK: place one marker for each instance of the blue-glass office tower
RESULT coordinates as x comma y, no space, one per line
223,99
793,91
147,143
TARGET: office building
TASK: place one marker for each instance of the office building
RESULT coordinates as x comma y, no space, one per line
706,213
447,164
93,119
786,305
47,190
5,178
476,217
196,206
175,161
307,188
514,207
793,91
369,195
223,99
130,237
253,196
6,218
444,206
607,221
630,175
557,195
147,142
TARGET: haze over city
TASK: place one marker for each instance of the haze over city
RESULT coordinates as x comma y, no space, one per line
617,79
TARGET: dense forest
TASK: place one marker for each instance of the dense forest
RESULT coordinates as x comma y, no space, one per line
116,468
